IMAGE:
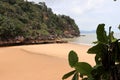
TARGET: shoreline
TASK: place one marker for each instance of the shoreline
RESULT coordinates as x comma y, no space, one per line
39,62
31,42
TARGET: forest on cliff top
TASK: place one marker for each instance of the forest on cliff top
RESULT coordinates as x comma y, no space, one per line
22,20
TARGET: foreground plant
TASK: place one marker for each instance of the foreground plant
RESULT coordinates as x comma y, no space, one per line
107,51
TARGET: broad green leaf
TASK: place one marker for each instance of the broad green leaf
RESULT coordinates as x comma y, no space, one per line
83,68
97,59
117,51
114,40
111,37
95,42
119,27
73,58
97,71
75,77
101,34
68,74
98,49
94,50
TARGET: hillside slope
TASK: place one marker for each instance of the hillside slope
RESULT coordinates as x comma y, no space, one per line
22,22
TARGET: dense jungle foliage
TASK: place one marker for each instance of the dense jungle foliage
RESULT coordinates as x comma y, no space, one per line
22,20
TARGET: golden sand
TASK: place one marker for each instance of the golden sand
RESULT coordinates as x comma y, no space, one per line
39,62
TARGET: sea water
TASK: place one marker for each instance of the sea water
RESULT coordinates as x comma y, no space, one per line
88,38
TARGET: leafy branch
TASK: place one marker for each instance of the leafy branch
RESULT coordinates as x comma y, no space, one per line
107,51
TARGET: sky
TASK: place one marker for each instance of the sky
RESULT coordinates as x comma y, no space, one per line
88,13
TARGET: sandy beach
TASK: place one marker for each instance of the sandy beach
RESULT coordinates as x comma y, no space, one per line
39,62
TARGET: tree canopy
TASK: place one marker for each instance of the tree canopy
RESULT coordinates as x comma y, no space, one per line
19,18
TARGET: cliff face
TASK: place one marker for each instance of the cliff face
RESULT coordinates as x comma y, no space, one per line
22,21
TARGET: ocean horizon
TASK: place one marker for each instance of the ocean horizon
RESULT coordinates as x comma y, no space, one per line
88,38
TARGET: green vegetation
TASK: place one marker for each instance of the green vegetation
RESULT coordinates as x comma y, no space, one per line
21,19
107,51
119,26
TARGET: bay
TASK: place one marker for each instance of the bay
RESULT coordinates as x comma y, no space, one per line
88,38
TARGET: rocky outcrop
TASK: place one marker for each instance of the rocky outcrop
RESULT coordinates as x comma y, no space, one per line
23,22
30,41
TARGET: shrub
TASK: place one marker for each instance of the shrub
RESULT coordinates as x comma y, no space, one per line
107,50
